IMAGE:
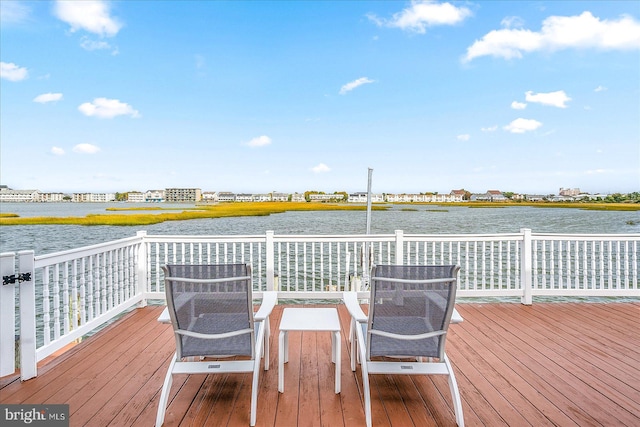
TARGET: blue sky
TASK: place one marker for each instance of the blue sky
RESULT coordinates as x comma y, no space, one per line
261,96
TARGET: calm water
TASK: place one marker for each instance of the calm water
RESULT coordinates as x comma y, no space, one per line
422,219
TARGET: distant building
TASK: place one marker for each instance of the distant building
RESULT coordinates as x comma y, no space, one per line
182,195
298,197
244,197
154,196
571,192
457,195
226,196
279,197
135,197
51,197
93,197
326,197
9,195
209,196
489,196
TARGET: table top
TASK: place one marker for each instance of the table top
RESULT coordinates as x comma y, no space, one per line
310,319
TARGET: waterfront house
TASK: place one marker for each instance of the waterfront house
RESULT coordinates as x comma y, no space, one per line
154,196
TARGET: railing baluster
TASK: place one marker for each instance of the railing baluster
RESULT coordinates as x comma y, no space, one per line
65,298
56,301
83,291
46,308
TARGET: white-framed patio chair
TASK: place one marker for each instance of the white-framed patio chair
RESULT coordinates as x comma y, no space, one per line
405,331
211,311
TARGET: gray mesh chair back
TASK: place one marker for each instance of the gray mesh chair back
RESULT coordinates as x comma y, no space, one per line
410,309
211,300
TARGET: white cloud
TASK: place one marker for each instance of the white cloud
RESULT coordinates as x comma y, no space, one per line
600,89
107,109
12,12
354,84
57,151
522,125
259,141
48,97
10,71
86,148
557,33
554,99
88,44
89,15
512,22
423,14
320,168
490,129
518,105
463,137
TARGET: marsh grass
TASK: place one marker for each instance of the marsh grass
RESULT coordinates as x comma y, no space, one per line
200,212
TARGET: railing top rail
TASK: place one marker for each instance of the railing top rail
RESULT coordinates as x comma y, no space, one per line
71,254
455,237
158,238
565,236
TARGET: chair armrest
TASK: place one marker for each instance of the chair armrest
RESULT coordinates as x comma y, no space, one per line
164,316
455,317
353,306
269,300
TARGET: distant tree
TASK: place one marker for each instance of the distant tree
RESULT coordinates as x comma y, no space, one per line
615,198
508,194
344,194
122,197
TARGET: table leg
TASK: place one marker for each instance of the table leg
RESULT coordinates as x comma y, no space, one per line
281,359
337,355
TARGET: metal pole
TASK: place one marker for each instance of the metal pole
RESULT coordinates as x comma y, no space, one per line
367,251
369,202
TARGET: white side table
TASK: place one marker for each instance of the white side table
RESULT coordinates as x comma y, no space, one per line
308,319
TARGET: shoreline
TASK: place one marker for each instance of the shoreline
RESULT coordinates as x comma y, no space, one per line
223,210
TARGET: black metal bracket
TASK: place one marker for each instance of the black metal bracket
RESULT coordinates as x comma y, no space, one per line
22,277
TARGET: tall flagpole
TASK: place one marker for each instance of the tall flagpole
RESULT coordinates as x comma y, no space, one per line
369,201
367,248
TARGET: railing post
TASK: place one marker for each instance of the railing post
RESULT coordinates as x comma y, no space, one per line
271,262
143,286
28,360
7,316
399,247
526,267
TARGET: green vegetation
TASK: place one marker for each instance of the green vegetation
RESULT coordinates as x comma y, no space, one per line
571,205
268,208
200,212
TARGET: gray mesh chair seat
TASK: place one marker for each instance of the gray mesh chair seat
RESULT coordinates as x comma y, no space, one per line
211,311
410,308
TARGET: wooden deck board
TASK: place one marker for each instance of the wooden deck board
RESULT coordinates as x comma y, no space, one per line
550,364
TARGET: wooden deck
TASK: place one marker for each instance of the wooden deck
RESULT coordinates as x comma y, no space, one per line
563,364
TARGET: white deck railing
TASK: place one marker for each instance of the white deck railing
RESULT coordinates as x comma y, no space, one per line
71,293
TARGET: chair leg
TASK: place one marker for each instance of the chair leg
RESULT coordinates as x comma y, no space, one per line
455,393
354,344
366,391
164,395
254,394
